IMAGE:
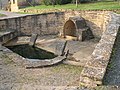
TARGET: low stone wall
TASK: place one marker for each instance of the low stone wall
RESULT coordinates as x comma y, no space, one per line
60,10
6,36
53,23
42,24
95,19
93,73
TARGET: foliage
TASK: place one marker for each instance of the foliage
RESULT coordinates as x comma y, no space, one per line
86,6
55,2
2,15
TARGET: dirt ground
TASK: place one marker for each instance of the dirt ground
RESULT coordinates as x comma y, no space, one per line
58,75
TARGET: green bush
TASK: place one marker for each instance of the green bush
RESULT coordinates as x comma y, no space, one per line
66,1
83,1
55,2
46,2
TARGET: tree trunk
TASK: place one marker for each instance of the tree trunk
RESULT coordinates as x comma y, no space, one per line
53,3
76,3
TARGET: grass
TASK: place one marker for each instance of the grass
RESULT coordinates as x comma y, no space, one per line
68,68
2,15
87,6
7,60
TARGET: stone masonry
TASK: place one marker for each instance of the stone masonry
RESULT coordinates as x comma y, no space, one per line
93,73
42,24
96,20
104,25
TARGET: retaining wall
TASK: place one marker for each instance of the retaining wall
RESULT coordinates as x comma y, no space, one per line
96,19
42,24
94,71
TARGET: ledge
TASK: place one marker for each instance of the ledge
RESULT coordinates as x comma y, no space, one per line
30,63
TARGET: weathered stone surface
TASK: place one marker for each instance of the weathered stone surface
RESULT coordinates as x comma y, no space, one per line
30,62
96,67
99,62
85,81
42,63
94,73
52,23
18,86
77,27
96,20
60,47
33,39
42,24
15,77
7,35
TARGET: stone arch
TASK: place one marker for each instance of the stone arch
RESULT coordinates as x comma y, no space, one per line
77,27
69,29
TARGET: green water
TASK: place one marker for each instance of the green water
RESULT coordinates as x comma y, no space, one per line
30,52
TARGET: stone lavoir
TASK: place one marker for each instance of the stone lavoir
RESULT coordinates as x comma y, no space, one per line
94,31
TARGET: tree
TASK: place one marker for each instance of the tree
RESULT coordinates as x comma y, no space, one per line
31,2
53,2
76,3
1,4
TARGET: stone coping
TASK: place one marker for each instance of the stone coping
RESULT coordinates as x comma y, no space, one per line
64,10
42,63
72,9
30,63
7,35
4,32
21,16
95,69
51,11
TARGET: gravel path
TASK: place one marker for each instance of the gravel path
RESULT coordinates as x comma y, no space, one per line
112,76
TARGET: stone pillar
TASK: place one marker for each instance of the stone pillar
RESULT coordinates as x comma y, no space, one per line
14,5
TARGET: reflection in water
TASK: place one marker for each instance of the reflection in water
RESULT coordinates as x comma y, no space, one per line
30,52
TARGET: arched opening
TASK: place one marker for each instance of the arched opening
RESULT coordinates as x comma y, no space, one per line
69,29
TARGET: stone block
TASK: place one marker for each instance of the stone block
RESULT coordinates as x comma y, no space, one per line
88,82
33,39
98,62
94,73
60,47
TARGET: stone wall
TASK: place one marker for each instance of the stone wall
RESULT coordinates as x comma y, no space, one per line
42,24
104,25
96,20
6,36
94,71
